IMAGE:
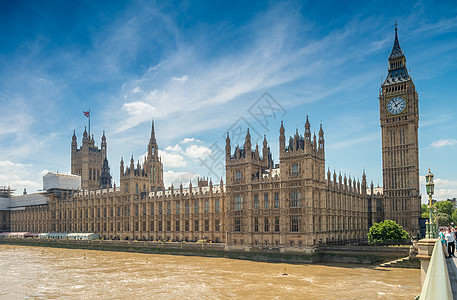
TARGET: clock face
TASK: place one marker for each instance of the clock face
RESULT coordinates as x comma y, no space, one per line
396,105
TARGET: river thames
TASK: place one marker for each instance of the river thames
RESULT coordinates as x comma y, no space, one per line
49,273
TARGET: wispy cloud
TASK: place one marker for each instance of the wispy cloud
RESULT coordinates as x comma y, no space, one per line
180,79
443,143
189,140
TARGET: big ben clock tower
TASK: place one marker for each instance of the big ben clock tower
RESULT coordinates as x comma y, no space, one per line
399,114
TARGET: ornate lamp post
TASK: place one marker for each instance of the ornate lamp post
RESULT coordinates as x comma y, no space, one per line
431,224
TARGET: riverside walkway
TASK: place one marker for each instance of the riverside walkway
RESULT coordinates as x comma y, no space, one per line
452,271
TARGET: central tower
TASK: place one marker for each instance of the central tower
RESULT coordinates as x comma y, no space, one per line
399,115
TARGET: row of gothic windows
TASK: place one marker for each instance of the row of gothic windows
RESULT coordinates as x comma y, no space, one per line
92,173
295,200
396,88
295,224
396,64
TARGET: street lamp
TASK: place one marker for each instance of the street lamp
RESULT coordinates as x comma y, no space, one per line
431,225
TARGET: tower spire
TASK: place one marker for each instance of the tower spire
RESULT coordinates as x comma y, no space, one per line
153,152
396,49
397,64
153,134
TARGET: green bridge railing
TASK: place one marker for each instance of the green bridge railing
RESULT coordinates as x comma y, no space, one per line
436,284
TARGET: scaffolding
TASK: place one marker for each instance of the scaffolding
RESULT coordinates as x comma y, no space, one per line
6,192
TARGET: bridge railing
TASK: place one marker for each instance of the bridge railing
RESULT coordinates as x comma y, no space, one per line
436,284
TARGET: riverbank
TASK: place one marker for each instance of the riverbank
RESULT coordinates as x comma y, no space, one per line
367,255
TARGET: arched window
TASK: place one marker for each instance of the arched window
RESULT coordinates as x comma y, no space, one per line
238,176
295,199
295,169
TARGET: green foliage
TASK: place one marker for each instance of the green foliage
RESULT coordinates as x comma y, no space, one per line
445,207
443,219
424,208
454,216
386,231
425,212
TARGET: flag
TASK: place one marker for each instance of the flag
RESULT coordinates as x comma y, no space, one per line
86,113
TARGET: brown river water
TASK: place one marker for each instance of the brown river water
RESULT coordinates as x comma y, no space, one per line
51,273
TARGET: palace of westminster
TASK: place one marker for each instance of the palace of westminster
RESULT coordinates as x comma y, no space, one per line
295,203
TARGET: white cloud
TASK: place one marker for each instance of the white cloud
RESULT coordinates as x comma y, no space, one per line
30,185
138,112
444,189
196,152
143,157
444,194
176,178
175,148
19,176
446,142
138,108
172,160
136,90
180,79
445,182
189,140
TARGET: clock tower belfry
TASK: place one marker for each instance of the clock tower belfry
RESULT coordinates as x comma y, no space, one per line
399,115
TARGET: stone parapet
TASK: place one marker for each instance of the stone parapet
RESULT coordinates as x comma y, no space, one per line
425,250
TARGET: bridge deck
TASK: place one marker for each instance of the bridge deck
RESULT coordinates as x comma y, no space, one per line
452,270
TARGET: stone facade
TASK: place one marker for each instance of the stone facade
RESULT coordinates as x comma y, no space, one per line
292,204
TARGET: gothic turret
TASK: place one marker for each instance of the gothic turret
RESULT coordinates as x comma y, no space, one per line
105,176
228,148
103,145
265,149
321,139
85,139
247,145
282,139
153,151
74,143
307,130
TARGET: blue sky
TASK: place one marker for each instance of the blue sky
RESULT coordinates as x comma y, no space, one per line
199,67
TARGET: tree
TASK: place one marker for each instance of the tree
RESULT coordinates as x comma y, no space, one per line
454,216
443,219
445,207
425,212
386,231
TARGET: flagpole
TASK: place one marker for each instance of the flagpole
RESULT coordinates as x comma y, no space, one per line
89,123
